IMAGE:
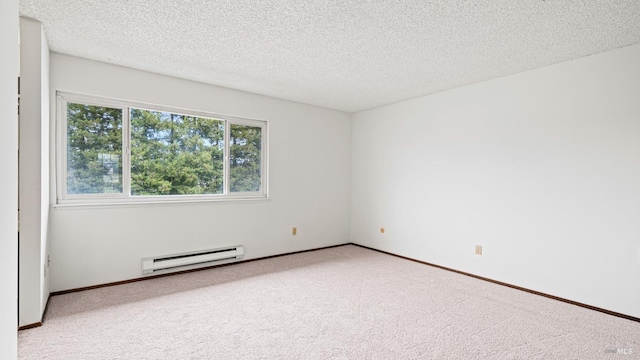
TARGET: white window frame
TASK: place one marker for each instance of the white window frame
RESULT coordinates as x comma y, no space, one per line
63,198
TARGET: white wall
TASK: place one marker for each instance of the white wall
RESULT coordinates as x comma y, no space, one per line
46,155
8,178
309,187
542,168
34,170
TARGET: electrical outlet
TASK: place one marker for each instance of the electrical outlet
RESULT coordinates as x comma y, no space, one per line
478,249
294,231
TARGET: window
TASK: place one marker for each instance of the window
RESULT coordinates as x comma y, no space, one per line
115,151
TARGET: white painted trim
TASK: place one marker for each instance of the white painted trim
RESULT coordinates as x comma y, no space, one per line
227,158
108,204
61,144
265,158
126,152
105,101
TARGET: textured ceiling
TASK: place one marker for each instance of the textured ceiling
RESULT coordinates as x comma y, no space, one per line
343,54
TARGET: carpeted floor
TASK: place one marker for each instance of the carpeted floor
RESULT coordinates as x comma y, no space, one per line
339,303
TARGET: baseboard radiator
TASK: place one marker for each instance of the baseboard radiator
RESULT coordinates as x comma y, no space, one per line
191,260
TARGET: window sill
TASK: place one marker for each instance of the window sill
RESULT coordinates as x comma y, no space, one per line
122,203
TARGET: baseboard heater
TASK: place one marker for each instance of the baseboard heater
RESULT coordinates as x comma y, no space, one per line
191,260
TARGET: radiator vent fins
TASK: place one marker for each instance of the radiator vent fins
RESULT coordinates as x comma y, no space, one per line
191,260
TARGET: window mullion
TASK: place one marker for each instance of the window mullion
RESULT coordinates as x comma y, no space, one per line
264,164
126,152
227,155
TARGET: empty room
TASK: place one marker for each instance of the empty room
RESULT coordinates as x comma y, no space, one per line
320,180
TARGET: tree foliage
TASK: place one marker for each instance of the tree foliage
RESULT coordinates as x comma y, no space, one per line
94,149
245,154
175,154
171,154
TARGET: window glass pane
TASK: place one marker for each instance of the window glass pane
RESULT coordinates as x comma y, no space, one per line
94,149
174,154
245,148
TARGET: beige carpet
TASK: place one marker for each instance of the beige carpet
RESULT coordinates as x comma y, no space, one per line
339,303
